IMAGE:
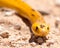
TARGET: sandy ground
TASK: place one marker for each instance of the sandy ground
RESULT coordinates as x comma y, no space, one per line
15,31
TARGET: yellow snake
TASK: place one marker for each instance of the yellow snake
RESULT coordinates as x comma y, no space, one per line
39,26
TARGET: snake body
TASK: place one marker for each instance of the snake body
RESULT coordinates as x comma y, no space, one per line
39,26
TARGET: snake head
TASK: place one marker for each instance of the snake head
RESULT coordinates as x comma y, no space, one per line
40,29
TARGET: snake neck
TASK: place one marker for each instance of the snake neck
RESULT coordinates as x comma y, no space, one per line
23,9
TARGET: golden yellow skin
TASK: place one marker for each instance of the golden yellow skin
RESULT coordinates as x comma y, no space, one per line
39,27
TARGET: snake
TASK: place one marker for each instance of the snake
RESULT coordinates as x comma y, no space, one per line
39,26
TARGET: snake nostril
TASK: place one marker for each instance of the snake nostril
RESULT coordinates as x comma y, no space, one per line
48,28
42,26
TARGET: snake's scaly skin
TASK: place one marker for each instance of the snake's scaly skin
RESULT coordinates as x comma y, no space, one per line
39,27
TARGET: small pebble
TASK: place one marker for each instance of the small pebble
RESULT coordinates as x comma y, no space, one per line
9,13
57,22
39,40
17,27
23,38
33,44
5,35
44,13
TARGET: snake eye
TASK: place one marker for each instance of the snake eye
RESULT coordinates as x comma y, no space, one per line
36,28
42,26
